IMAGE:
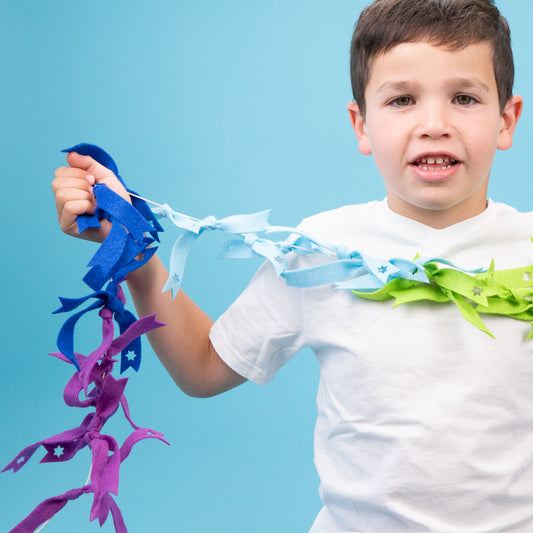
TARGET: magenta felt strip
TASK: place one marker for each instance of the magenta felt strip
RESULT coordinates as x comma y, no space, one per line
51,506
106,453
47,509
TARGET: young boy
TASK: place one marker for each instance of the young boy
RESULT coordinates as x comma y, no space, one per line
424,422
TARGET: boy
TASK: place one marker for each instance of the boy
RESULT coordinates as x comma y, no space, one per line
424,422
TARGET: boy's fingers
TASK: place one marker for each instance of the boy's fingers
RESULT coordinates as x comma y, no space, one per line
69,215
70,172
73,208
69,182
65,195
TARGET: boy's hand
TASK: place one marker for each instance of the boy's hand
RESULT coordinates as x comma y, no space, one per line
73,191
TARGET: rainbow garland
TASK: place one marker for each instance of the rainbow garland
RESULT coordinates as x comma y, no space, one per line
129,245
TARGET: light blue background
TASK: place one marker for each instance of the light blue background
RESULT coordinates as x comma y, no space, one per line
216,107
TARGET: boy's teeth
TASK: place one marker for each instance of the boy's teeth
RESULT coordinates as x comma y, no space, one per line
437,160
430,162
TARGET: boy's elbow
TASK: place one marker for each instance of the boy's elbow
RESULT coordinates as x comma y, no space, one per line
205,390
199,390
215,378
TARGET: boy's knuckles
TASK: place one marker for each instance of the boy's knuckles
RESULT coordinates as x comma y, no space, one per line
74,208
70,171
64,195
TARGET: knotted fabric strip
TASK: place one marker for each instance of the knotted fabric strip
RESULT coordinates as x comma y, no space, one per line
106,396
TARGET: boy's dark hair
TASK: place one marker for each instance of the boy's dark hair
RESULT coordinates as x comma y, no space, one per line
453,24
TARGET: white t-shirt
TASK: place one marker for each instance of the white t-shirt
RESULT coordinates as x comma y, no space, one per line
424,422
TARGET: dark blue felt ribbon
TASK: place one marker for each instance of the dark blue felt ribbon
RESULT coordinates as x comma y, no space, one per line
110,298
102,157
127,247
126,239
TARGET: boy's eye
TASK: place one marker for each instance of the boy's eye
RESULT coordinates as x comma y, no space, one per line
465,99
401,101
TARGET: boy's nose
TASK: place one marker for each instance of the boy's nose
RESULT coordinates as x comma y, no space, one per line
434,122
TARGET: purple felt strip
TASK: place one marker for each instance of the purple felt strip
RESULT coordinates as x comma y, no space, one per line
47,509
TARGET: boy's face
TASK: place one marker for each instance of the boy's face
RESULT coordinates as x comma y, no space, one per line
433,124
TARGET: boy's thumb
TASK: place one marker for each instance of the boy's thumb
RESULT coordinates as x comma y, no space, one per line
100,173
86,162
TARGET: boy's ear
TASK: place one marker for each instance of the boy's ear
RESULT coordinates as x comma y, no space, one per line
510,116
359,126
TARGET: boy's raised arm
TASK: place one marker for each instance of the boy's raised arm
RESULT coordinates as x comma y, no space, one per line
183,346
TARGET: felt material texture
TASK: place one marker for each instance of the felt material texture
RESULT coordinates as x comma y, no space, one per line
504,292
105,394
127,247
351,270
481,290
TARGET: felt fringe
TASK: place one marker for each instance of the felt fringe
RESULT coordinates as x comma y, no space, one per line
126,248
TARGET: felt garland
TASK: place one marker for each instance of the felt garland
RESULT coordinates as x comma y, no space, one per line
127,247
474,292
129,244
497,292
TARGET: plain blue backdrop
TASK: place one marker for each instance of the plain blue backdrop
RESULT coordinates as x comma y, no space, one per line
215,107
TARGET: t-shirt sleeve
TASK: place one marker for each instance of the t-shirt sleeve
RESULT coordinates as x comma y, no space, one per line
262,329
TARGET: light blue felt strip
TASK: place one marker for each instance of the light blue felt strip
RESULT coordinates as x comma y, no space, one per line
323,274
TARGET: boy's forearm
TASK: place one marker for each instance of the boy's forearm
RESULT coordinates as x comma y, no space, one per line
183,345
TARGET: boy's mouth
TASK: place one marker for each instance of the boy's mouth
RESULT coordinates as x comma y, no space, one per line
439,162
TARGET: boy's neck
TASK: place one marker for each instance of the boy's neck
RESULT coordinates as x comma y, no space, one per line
436,218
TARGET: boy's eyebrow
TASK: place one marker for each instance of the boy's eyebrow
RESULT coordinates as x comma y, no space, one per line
397,86
460,84
470,83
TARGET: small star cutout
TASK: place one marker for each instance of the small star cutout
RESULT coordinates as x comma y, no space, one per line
278,259
477,291
58,451
175,279
131,355
140,257
382,269
527,276
20,460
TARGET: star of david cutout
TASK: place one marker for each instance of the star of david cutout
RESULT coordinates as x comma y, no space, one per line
58,451
131,355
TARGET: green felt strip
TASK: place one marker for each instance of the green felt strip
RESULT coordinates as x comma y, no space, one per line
497,292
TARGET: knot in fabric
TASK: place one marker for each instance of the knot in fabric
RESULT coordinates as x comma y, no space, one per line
211,223
163,210
115,305
343,252
94,427
250,238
